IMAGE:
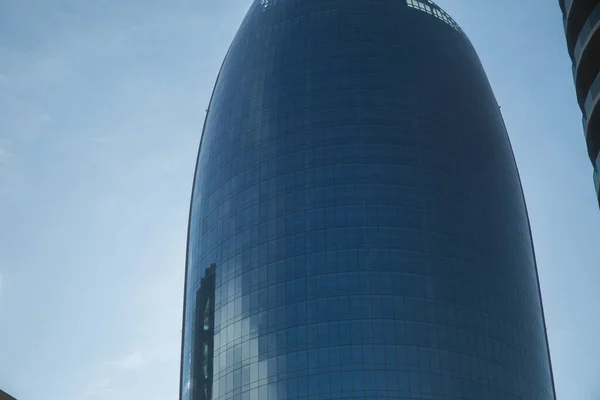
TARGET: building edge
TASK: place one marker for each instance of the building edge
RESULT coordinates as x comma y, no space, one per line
535,264
187,245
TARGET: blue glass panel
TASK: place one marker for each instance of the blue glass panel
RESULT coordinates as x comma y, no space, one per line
357,196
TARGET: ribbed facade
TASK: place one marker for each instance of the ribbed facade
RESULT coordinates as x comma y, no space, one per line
582,28
357,225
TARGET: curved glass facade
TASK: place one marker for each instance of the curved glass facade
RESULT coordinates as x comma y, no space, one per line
358,214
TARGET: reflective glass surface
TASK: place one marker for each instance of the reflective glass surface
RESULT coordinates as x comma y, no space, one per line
358,213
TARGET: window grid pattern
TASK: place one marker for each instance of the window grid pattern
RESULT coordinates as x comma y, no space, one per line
370,241
432,9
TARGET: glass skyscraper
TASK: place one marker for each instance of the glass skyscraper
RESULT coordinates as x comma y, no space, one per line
357,224
582,29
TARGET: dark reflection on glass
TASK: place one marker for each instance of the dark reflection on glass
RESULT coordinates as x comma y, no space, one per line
204,329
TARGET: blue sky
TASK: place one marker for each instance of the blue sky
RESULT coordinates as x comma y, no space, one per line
101,107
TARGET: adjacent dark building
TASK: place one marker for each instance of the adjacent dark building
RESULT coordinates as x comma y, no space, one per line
582,28
5,396
357,224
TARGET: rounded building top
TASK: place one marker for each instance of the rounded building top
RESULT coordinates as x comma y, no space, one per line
427,6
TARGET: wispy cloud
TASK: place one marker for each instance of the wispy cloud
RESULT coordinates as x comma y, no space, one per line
5,156
84,107
99,389
105,380
6,170
99,139
130,361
